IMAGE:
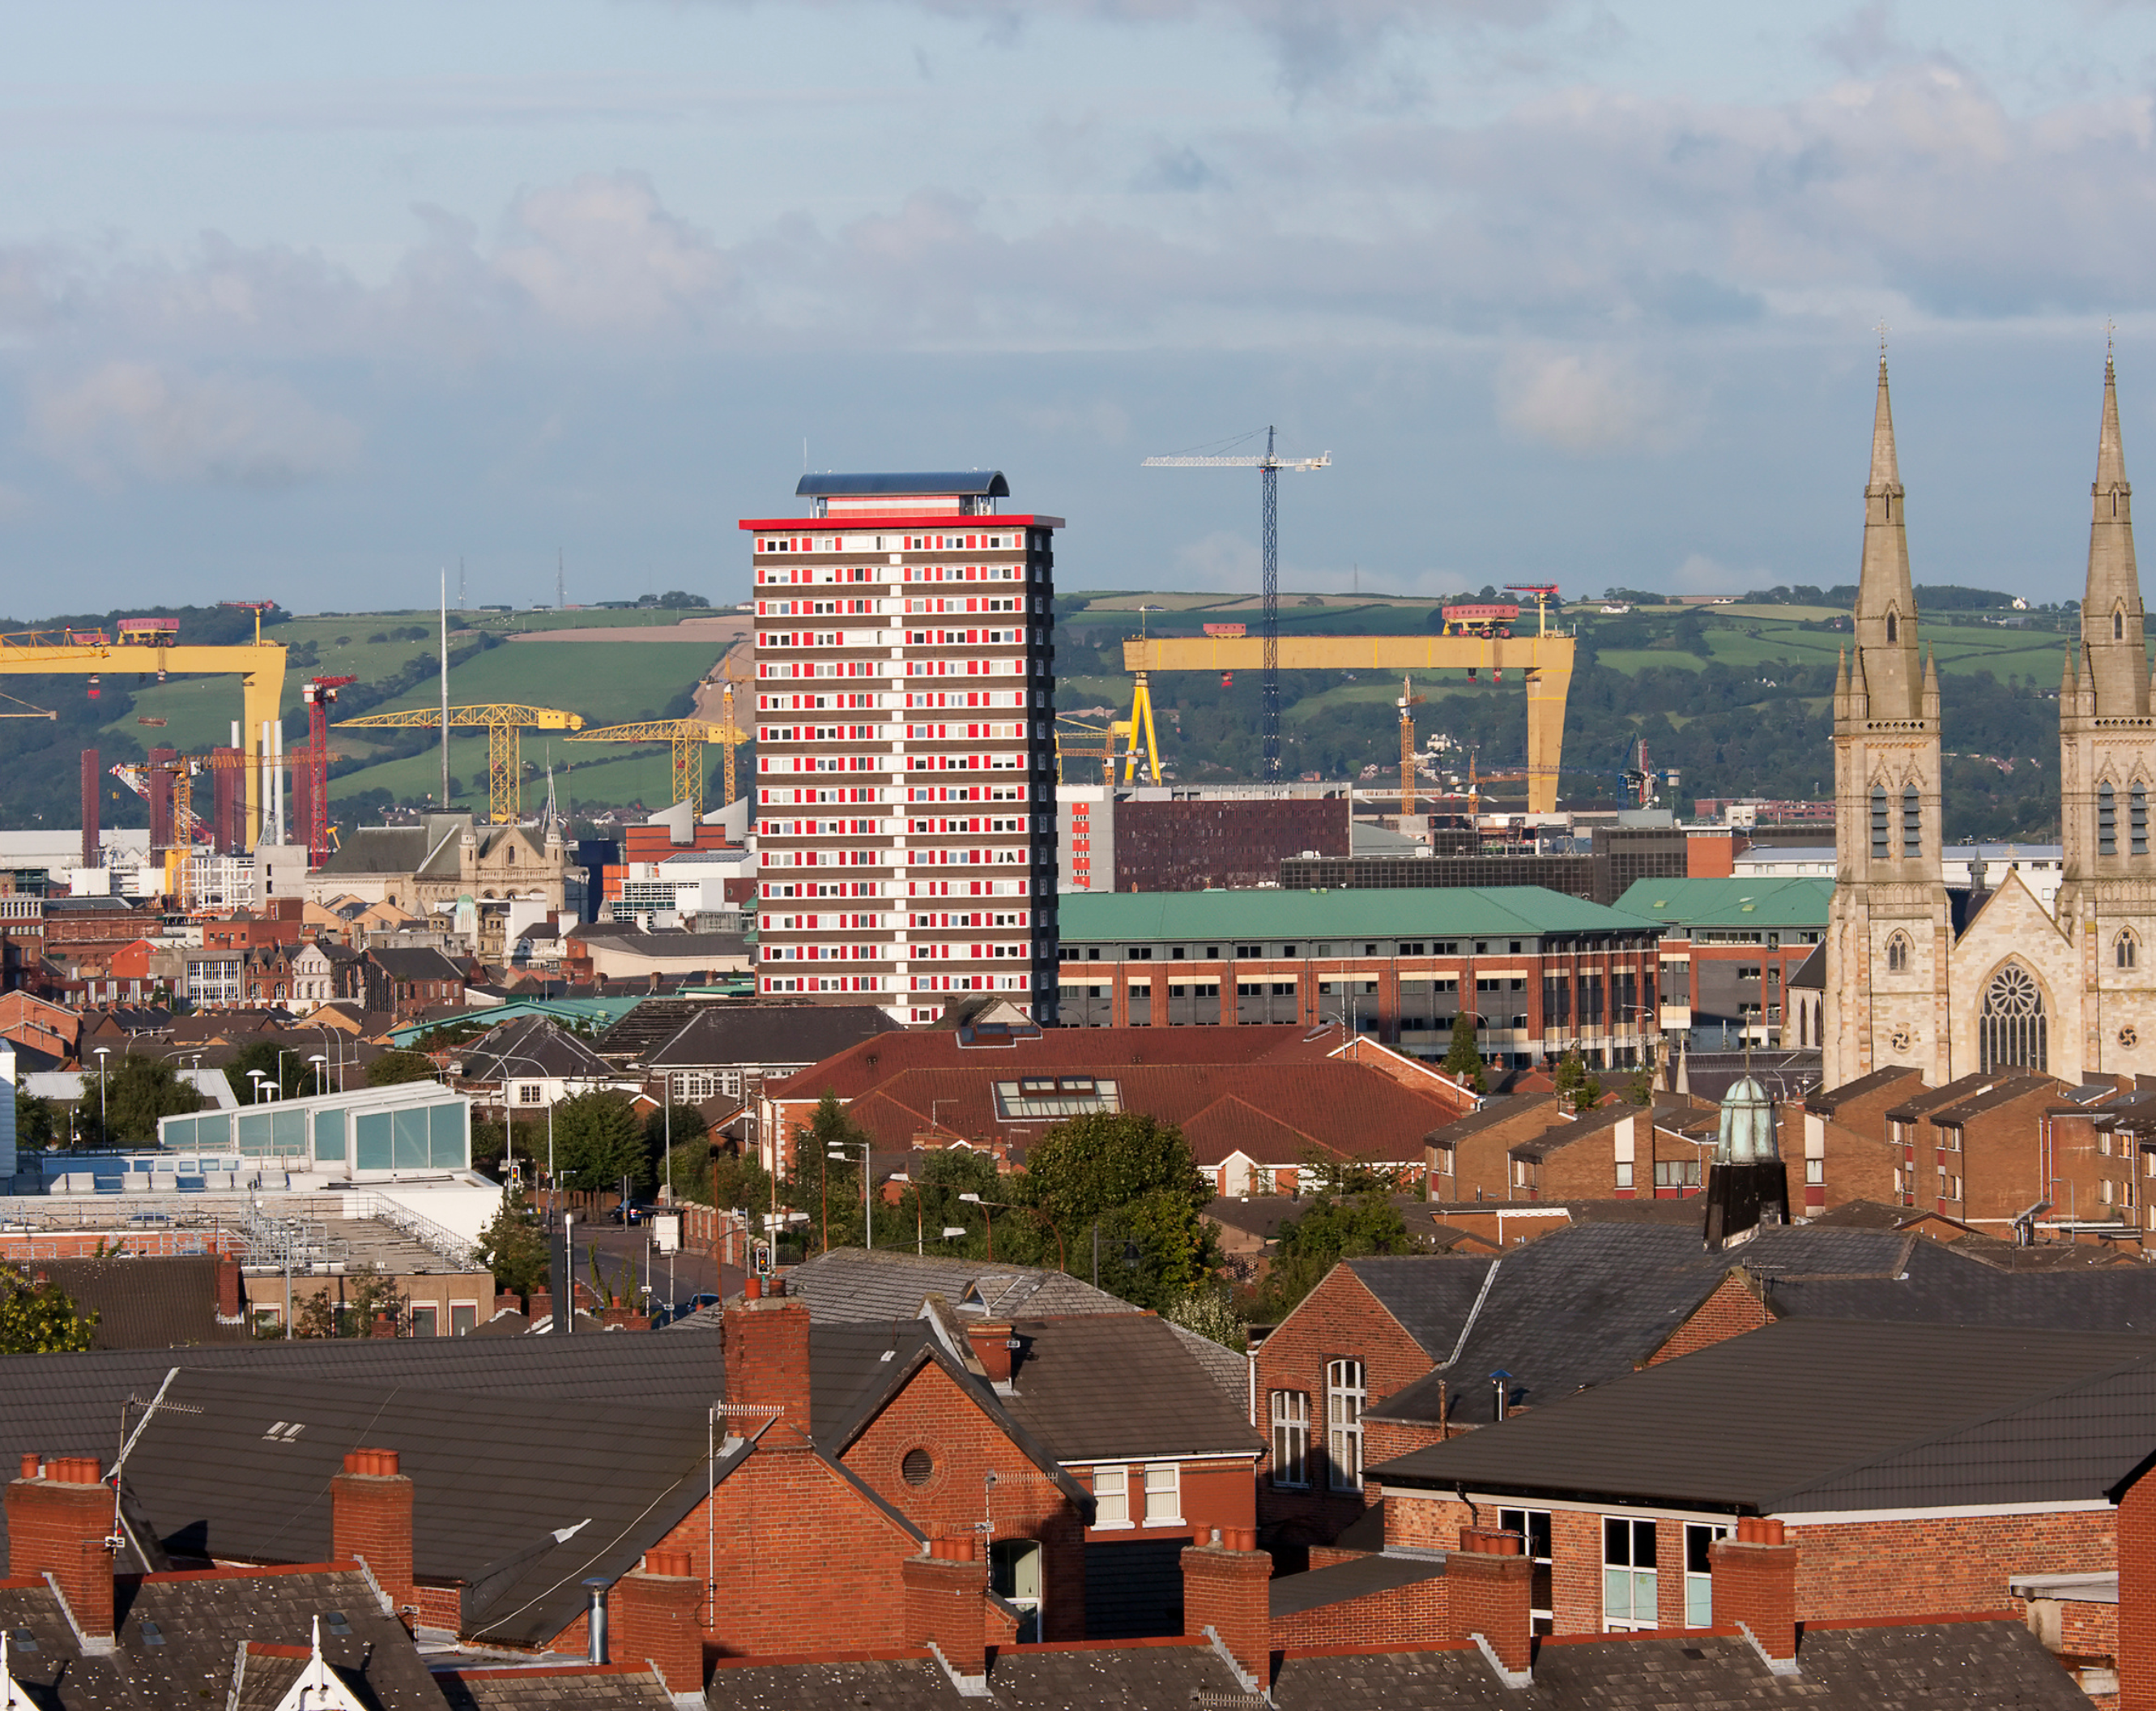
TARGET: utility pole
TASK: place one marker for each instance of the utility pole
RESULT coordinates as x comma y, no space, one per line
445,690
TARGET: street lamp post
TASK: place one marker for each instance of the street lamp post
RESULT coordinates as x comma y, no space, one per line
322,1064
868,1207
103,1135
1061,1263
283,1052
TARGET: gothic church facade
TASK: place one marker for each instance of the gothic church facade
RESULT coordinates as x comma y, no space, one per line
1955,986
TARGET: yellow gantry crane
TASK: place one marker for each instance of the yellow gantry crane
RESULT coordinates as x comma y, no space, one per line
504,722
150,646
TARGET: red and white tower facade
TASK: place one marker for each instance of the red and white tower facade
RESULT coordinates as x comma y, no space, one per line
905,747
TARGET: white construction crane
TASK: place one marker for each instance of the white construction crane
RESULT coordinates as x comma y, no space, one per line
1268,468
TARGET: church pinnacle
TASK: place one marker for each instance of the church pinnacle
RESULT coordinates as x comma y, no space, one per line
2111,604
1887,661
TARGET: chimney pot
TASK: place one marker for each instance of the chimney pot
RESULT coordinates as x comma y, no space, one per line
753,1290
990,1341
30,1464
1225,1588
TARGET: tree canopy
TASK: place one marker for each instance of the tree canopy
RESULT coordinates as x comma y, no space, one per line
597,1141
40,1318
513,1246
1332,1229
138,1092
393,1067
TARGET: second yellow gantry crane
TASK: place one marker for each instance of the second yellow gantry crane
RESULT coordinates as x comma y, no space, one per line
505,722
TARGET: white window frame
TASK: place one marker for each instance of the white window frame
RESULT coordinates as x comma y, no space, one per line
1290,1416
1347,1394
1624,1581
1163,1494
1111,1497
1699,1584
1541,1613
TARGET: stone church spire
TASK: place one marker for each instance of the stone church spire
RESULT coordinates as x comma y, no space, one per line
1887,660
2110,607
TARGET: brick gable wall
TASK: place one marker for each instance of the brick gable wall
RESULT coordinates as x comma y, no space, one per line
1734,1307
1339,1319
964,1444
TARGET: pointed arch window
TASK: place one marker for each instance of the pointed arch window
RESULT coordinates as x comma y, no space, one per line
2126,950
1897,954
1881,848
1893,627
2106,821
2012,1030
2137,818
2118,623
1913,824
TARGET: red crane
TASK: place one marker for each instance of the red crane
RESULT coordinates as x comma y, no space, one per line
311,780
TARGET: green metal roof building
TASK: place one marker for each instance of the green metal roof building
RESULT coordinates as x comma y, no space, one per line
1463,913
1755,905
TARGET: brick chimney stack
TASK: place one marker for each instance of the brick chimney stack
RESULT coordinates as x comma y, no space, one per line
990,1342
59,1516
1225,1588
231,1293
1755,1583
371,1519
654,1619
943,1588
1489,1585
767,1355
2137,1596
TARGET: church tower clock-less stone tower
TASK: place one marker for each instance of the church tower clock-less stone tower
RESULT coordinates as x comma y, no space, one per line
1889,929
2107,905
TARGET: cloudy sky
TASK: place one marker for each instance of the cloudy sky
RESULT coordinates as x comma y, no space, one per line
307,302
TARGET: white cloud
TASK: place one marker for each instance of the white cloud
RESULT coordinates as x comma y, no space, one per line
1590,401
602,253
1220,560
127,419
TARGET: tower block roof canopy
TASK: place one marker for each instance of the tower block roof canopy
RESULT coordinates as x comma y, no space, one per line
945,493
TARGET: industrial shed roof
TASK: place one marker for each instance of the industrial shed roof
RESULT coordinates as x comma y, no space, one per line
1740,901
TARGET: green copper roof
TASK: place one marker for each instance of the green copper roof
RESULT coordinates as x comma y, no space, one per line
1731,903
1438,912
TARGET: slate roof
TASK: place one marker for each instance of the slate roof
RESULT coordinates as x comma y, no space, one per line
1583,1305
799,1034
200,1621
147,1303
851,1284
603,1686
423,964
1935,1665
530,1046
1119,1386
1823,1101
1431,1302
1938,1415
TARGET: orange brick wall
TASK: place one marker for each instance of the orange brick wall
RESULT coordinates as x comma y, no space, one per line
1844,1571
1402,1616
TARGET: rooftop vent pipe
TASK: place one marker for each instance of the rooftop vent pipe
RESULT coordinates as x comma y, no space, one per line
595,1619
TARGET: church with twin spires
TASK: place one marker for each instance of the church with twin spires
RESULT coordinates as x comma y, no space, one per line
1954,983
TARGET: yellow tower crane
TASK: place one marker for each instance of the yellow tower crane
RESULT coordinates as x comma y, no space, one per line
688,738
505,722
1407,702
